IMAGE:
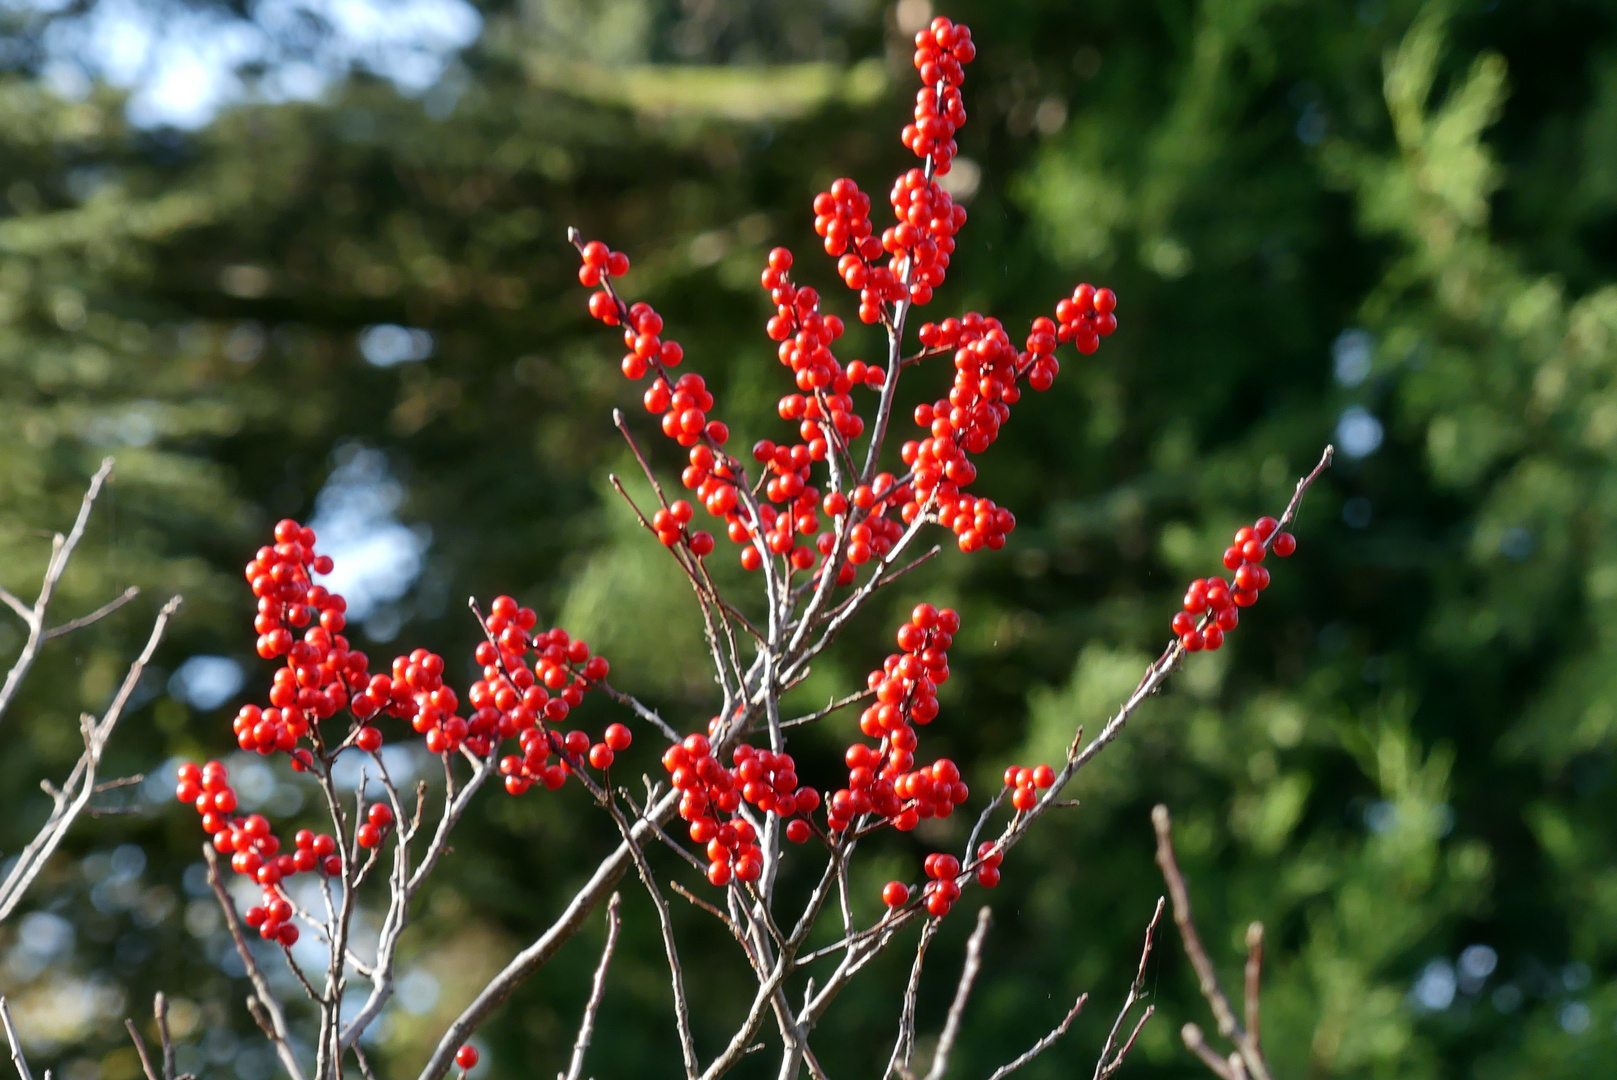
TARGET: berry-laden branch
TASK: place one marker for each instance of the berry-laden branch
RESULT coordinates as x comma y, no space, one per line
826,515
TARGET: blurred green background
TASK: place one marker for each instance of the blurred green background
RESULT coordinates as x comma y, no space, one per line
309,259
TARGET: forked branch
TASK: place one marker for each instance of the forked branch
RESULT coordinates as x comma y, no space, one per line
1247,1059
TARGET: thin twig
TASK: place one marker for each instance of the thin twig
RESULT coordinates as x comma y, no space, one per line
262,1002
1111,1057
61,551
1043,1044
1254,979
968,975
99,613
140,1049
1247,1050
160,1013
17,1057
575,1068
904,1046
74,795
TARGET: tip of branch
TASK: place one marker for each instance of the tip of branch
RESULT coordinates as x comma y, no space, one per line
1330,454
1160,818
169,608
574,237
1254,935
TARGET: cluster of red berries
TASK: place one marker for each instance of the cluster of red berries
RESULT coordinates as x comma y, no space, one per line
708,790
941,889
516,700
254,851
922,241
1087,317
683,405
842,218
941,52
966,422
669,522
601,262
882,779
1025,784
321,671
1210,603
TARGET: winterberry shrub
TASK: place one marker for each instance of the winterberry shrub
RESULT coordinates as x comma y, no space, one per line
824,512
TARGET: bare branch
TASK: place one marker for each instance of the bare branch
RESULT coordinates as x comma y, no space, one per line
575,1068
17,1058
904,1047
61,551
1248,1058
1254,978
262,1003
1043,1044
74,795
160,1014
968,975
1196,1043
140,1049
1111,1057
529,960
99,613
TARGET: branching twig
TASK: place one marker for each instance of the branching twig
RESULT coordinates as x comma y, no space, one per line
69,801
1248,1057
61,551
1111,1056
266,1010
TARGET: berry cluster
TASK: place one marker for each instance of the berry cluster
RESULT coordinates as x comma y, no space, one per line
1025,784
321,671
941,52
882,779
1211,603
255,852
941,889
762,778
1087,317
516,700
842,218
922,241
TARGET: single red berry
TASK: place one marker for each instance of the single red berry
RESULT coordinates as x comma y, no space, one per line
369,739
1284,544
618,737
895,894
466,1057
380,815
798,831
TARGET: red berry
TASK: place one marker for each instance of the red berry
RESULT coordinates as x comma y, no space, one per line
895,894
618,737
1284,544
466,1057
